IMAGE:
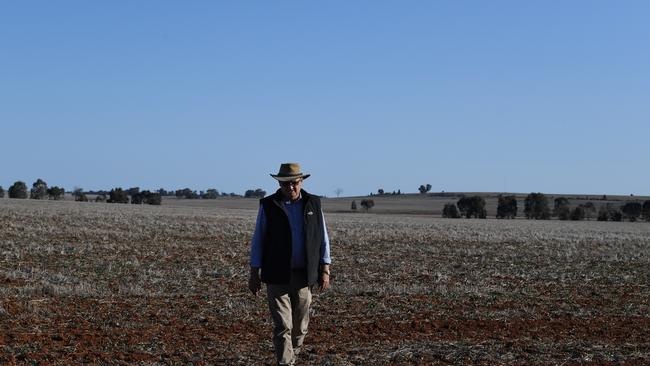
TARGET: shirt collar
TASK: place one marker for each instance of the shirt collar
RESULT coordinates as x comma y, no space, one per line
288,202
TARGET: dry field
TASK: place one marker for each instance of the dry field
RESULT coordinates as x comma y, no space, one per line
124,284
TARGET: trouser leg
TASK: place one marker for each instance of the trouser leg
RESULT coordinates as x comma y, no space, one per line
280,307
300,301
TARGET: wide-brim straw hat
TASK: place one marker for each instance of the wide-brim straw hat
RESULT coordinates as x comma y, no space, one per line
289,172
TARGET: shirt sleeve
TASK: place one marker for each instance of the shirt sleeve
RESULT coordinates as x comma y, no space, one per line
256,243
325,246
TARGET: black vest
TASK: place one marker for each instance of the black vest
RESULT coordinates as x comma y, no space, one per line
276,243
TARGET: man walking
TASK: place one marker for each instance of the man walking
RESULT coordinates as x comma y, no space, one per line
290,253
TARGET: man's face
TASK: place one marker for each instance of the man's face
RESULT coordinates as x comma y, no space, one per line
291,189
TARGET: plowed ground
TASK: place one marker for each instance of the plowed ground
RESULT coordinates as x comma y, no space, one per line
125,284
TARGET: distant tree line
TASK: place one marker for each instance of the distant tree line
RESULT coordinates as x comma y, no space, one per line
536,207
381,192
40,190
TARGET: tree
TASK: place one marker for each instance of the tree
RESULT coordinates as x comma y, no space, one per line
590,210
578,213
133,191
536,207
39,190
258,193
338,192
367,204
609,212
380,191
353,206
18,190
616,215
450,211
603,214
632,210
646,210
137,198
2,192
561,208
55,193
507,207
152,198
186,193
472,207
118,195
146,197
424,188
79,195
211,194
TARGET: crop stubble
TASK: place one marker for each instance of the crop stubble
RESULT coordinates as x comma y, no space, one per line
124,284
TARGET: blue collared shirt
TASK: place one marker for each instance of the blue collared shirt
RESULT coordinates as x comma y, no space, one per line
294,211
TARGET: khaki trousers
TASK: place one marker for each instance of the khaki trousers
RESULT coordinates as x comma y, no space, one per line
289,307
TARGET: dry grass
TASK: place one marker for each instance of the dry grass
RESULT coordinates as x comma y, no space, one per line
124,284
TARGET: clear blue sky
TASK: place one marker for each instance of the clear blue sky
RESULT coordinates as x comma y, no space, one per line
517,96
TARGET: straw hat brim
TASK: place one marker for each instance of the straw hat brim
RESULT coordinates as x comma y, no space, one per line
288,178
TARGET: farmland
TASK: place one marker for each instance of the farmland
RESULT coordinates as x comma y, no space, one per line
131,284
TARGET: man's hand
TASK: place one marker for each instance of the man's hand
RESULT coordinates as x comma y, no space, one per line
324,280
254,282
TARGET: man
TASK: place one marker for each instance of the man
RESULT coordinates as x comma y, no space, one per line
290,253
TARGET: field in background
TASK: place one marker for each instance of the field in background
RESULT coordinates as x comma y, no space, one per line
131,284
414,204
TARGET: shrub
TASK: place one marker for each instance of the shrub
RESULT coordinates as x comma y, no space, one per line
39,190
118,195
353,206
55,193
450,211
536,207
472,207
18,190
2,192
100,198
367,204
507,207
632,210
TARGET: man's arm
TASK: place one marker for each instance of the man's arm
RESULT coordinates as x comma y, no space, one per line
254,281
325,260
